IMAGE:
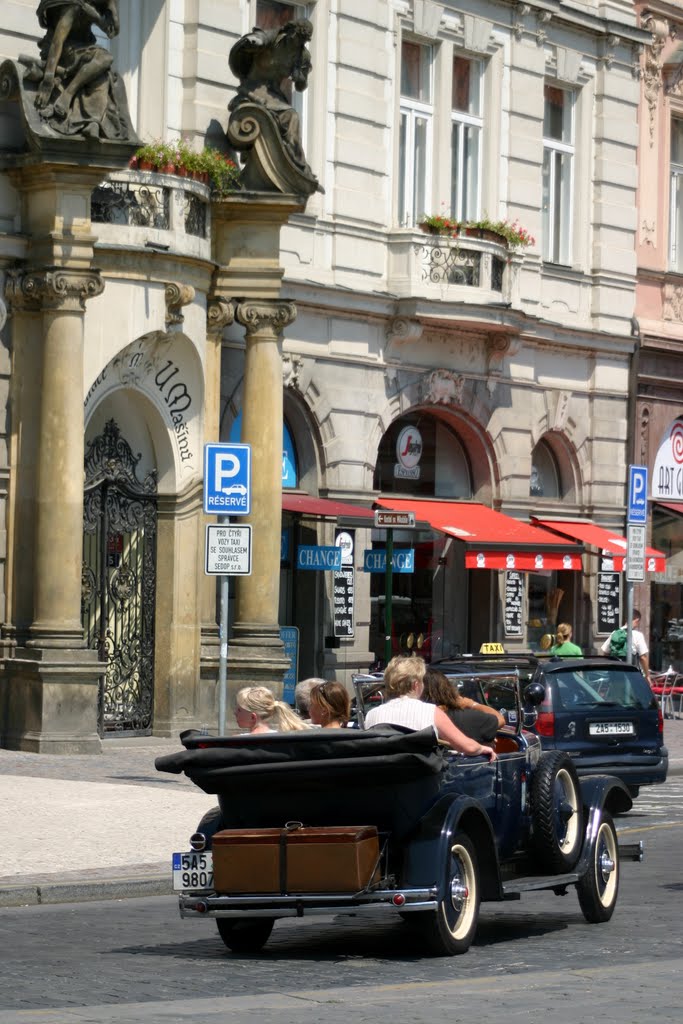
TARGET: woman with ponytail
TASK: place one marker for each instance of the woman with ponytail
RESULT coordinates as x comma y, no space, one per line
257,710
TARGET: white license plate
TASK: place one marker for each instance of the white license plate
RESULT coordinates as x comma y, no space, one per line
193,871
611,729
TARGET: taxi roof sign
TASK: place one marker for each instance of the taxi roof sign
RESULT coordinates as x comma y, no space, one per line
491,648
389,520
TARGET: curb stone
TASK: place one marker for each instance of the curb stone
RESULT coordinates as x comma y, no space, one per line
22,895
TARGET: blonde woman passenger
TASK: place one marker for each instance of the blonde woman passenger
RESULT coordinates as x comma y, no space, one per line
404,686
257,711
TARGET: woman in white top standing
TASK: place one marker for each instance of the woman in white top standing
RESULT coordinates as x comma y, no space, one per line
404,683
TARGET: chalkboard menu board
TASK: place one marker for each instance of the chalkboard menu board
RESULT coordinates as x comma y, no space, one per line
344,585
514,600
608,602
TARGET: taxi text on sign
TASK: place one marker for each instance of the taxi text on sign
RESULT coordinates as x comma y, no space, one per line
227,479
228,550
635,554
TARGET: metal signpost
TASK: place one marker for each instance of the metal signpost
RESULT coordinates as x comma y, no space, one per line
635,542
227,492
388,520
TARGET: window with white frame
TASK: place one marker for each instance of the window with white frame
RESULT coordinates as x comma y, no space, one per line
466,138
558,170
274,14
676,214
415,136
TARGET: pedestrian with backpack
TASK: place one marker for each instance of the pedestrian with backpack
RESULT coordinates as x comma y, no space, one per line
616,644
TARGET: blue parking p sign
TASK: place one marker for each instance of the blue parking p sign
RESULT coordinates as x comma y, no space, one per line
227,479
637,495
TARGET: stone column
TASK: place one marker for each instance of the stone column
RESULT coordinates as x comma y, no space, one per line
51,683
219,314
258,594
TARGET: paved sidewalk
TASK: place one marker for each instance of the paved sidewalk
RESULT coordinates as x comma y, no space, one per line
103,827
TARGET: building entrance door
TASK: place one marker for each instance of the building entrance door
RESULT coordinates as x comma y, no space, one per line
119,580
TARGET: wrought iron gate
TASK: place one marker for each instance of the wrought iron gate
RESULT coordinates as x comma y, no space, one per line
119,580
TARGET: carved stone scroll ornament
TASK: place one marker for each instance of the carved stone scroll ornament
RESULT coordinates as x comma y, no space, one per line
177,296
673,303
264,125
265,319
219,314
443,387
53,289
652,72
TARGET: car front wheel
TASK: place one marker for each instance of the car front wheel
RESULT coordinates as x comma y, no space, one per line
599,886
450,929
245,936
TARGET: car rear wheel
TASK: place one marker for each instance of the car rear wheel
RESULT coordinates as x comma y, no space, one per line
599,887
557,812
245,936
450,929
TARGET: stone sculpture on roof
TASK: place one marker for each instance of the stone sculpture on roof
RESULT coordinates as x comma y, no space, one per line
71,89
263,124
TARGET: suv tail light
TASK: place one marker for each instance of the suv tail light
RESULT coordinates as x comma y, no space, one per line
545,723
660,722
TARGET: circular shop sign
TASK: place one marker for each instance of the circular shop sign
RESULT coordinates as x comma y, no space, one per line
409,447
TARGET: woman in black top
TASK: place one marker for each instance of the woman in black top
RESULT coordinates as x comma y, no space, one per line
476,720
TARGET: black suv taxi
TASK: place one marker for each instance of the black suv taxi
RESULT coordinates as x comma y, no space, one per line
601,711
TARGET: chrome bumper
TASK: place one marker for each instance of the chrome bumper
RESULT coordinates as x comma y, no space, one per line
390,900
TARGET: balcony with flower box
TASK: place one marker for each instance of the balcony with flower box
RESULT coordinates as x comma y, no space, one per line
163,212
476,262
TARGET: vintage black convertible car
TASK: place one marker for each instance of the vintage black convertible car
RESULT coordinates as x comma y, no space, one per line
449,831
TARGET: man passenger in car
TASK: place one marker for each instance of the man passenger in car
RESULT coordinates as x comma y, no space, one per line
479,721
404,686
302,697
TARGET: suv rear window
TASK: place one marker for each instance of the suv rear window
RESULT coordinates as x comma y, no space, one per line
595,687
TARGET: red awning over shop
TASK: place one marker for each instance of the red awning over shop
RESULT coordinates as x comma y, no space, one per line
492,540
670,506
606,541
323,508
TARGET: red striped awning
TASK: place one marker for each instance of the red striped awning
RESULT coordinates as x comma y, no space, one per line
492,539
612,545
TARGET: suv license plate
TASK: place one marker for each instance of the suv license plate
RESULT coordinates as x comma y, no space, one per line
611,729
193,871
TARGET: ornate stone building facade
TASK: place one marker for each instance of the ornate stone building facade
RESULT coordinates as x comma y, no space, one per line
502,363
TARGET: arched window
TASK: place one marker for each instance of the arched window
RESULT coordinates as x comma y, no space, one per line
545,479
420,455
290,461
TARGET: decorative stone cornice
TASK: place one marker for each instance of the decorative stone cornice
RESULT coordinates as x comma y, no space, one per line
55,289
219,314
265,319
177,296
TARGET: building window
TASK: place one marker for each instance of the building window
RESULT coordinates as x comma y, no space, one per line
558,159
545,475
420,455
273,14
676,239
415,137
466,136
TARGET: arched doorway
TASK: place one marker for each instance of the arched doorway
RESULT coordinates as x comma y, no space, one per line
119,579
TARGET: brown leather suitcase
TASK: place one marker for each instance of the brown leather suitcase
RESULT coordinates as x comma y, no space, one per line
295,859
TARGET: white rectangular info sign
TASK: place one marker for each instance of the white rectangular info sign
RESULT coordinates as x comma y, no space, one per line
228,550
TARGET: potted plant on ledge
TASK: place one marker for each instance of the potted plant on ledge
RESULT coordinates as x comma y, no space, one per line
512,235
208,165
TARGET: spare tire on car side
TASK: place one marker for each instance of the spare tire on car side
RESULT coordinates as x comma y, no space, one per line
556,812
